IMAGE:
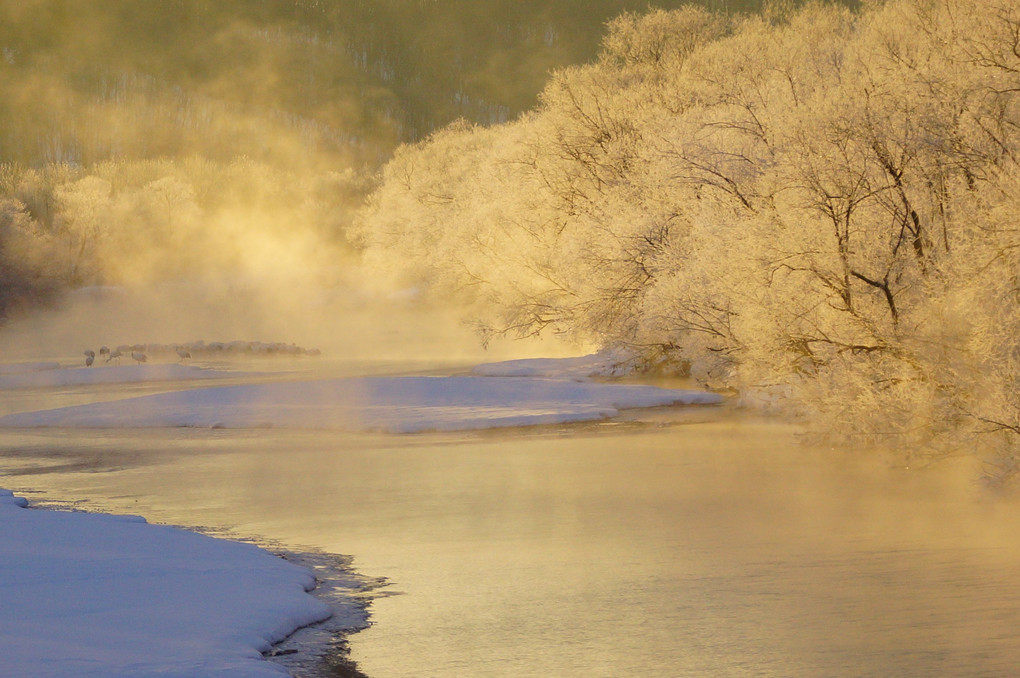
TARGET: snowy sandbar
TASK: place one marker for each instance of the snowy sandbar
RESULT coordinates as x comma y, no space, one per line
392,404
93,595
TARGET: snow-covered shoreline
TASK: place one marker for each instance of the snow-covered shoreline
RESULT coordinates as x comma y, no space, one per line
111,596
515,393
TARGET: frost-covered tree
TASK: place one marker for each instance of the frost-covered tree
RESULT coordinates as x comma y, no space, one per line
83,216
26,259
829,221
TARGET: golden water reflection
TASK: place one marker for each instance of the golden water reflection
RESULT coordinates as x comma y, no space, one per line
715,547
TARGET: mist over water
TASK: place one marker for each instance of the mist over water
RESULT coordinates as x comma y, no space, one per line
342,327
228,145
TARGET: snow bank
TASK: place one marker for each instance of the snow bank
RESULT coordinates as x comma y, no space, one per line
104,596
56,376
394,404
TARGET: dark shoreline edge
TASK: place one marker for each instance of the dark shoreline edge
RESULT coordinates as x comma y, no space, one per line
322,649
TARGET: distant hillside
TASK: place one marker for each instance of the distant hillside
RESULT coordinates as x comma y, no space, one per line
85,80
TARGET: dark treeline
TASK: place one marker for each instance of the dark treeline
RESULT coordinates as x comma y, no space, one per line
84,80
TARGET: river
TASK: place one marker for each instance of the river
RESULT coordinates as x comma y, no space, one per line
668,544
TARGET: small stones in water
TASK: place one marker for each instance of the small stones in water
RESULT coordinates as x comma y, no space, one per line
276,652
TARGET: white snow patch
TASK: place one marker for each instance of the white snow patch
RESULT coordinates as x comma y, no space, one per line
394,404
103,596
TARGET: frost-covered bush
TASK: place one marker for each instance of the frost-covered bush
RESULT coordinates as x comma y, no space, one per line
819,207
137,222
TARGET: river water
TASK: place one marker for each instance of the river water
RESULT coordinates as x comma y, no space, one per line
674,543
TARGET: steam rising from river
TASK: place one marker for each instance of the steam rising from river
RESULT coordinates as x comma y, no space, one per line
343,324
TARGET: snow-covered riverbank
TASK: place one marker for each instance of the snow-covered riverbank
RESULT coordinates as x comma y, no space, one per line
87,594
518,393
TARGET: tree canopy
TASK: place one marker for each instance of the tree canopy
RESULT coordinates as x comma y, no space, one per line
812,206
